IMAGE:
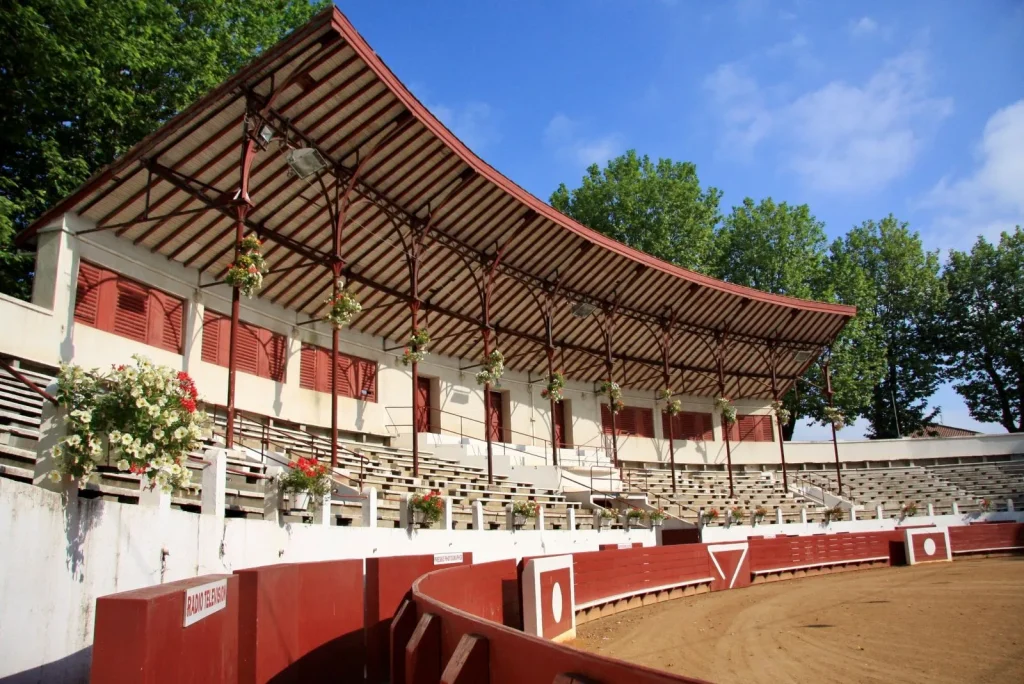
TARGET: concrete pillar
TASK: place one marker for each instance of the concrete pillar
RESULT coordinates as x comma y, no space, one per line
324,513
803,515
956,508
853,514
1009,505
597,520
214,496
153,497
778,516
55,270
446,514
294,359
404,517
272,494
878,512
570,519
539,520
370,507
510,519
192,352
478,515
931,509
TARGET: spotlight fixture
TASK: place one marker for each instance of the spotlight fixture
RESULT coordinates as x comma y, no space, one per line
266,134
306,162
801,356
583,309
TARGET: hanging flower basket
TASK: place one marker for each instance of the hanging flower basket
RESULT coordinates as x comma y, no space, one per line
555,387
657,517
247,272
672,406
426,508
307,479
494,368
783,413
342,309
416,347
147,413
614,393
835,416
523,511
728,410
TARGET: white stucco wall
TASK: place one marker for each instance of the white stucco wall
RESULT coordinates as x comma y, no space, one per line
57,561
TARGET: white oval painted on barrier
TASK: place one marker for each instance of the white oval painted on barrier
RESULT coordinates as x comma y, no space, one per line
929,547
556,602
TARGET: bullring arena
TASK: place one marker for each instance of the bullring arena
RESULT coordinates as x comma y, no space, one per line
544,456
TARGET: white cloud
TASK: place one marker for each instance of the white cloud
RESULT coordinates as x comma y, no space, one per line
564,135
865,26
841,138
474,123
991,199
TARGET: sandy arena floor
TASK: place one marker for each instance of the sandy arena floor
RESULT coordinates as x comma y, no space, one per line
959,622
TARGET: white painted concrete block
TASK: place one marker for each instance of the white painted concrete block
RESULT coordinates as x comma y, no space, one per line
370,507
214,495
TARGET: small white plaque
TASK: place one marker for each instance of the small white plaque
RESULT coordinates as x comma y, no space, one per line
625,546
447,558
204,600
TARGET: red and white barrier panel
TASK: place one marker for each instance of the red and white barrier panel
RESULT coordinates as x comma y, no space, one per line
549,600
928,545
732,565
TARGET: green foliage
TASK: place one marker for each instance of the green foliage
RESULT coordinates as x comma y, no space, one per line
658,208
84,81
981,329
907,292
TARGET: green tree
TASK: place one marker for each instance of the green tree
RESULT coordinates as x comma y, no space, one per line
981,329
84,81
906,294
657,208
782,249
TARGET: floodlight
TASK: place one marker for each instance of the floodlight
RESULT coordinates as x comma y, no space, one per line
306,162
583,309
801,356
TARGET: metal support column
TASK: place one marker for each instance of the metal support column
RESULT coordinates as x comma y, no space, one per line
835,444
242,210
487,411
725,428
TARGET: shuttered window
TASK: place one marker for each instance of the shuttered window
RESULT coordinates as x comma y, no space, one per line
752,429
688,425
357,378
111,302
259,351
631,420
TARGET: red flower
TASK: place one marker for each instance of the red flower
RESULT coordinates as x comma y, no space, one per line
188,404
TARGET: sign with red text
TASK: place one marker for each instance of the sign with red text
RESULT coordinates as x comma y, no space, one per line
205,600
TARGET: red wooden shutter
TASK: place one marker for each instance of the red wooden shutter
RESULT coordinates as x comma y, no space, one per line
247,351
165,321
130,311
367,377
87,293
307,367
211,337
644,422
346,373
606,419
751,429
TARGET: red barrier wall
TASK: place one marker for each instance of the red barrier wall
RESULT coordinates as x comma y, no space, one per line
824,549
988,537
461,597
388,581
600,574
301,621
140,637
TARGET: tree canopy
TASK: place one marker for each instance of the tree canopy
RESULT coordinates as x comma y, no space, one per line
84,81
656,207
981,329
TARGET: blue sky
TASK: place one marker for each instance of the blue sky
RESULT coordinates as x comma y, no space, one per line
857,109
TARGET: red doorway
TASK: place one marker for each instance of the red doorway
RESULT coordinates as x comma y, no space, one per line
422,418
495,420
560,440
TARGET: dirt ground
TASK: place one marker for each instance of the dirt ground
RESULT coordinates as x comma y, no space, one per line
949,622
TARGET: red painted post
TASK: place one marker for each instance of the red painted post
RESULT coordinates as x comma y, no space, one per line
487,411
229,436
778,421
725,427
415,387
552,402
835,444
336,272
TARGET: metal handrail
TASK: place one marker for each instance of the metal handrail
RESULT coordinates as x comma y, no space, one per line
462,432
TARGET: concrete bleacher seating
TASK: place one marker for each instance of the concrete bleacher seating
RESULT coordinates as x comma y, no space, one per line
891,488
710,489
998,482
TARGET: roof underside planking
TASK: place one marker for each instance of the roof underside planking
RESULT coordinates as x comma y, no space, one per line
324,87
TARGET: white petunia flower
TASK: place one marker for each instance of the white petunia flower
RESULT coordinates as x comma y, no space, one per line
73,440
54,476
158,433
149,448
154,411
115,436
57,451
180,434
123,465
126,439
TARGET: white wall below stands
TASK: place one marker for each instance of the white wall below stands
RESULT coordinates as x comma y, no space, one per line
719,533
57,561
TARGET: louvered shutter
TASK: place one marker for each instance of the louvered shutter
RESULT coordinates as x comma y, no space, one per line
346,378
87,294
211,337
277,353
165,319
247,350
307,367
367,380
644,422
625,421
130,311
606,419
704,426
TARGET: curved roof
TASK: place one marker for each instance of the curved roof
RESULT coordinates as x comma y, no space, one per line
324,88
